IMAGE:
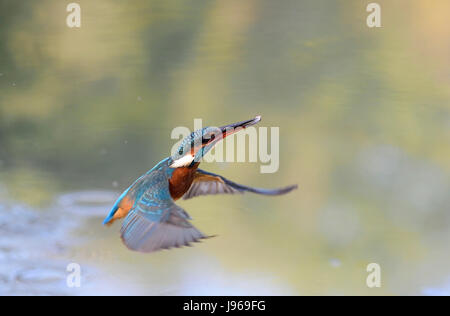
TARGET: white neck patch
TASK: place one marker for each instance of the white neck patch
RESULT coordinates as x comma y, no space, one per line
182,162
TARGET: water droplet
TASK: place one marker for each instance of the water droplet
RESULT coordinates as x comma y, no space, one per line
335,263
139,98
115,184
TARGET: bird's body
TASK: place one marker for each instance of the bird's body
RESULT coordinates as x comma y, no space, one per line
152,219
181,181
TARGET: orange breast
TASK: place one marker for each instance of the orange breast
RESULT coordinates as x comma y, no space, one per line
181,181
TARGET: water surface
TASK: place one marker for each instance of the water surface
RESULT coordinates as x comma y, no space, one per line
364,121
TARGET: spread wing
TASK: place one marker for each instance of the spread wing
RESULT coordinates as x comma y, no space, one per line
167,228
155,223
206,183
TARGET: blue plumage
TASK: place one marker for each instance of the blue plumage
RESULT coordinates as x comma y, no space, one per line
152,219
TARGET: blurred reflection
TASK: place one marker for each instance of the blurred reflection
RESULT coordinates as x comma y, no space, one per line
364,128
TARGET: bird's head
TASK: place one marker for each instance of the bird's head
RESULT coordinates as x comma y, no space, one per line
198,143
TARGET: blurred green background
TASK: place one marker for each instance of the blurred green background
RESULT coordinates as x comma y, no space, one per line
364,117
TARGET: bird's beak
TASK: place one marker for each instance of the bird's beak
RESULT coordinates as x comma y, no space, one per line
230,129
199,150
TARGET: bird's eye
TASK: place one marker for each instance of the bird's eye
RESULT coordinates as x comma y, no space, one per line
180,152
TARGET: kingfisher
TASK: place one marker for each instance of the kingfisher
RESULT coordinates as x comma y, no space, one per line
152,219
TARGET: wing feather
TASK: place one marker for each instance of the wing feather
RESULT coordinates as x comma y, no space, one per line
141,232
208,183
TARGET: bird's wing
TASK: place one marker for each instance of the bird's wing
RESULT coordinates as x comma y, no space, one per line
155,223
206,183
